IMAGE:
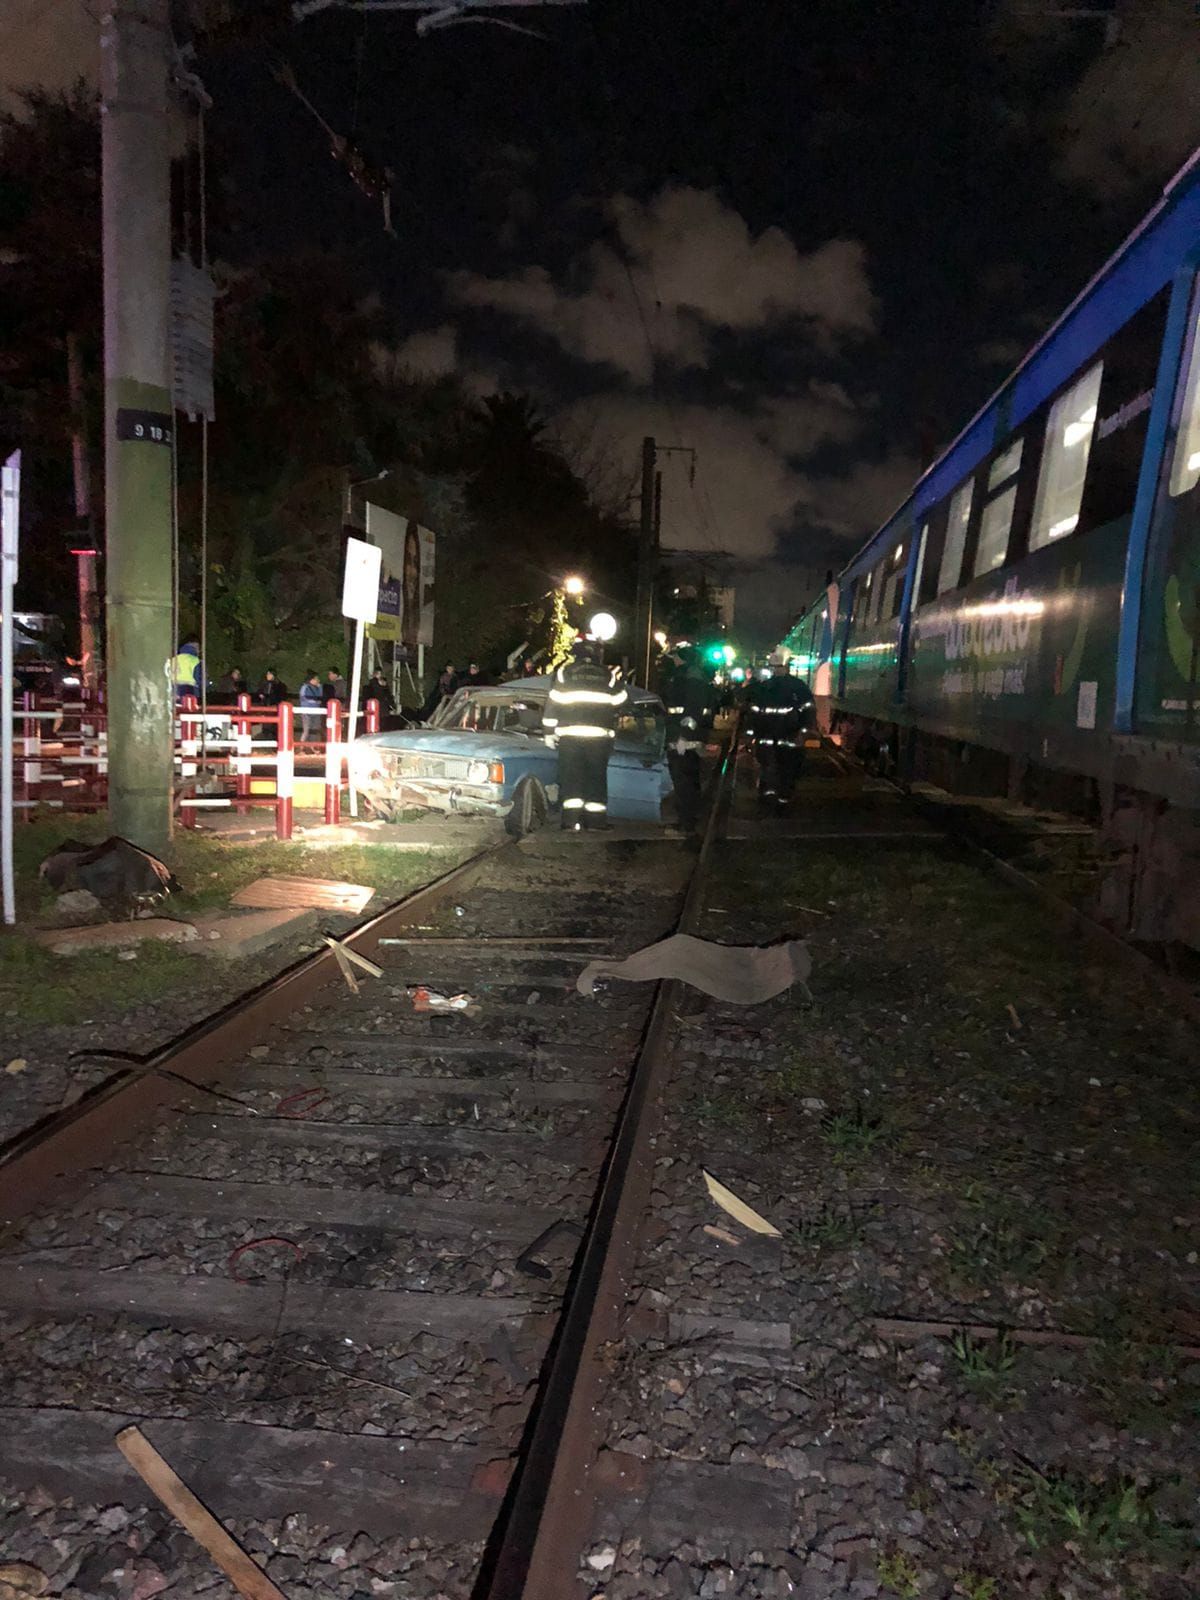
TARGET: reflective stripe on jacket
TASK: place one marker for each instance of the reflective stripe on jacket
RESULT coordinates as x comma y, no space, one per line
583,702
778,709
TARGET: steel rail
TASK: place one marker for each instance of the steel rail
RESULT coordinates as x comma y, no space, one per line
48,1156
546,1519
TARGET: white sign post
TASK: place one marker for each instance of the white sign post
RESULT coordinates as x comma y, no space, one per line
360,601
10,517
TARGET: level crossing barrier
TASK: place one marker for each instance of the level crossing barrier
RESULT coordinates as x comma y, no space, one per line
61,757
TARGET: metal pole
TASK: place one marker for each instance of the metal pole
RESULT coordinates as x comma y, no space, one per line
91,661
645,569
360,633
135,42
10,520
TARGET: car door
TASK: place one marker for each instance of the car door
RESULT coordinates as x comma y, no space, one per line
638,780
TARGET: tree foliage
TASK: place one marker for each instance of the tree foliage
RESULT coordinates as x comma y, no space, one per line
309,399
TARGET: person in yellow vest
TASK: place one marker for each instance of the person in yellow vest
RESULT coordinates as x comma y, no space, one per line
185,670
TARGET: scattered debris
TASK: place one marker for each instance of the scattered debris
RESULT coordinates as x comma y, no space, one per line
114,935
536,1269
1012,1011
320,893
347,958
247,1578
603,1558
723,1234
236,1254
743,975
738,1209
425,1000
115,872
17,1064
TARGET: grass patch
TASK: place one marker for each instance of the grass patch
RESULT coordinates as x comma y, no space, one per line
852,1134
826,1229
1113,1517
985,1364
898,1572
37,987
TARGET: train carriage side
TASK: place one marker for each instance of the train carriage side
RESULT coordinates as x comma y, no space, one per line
1029,621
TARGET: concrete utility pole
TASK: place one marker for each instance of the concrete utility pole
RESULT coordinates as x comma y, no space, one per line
138,419
645,567
91,657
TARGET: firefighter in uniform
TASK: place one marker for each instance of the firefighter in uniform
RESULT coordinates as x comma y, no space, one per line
581,717
689,695
779,713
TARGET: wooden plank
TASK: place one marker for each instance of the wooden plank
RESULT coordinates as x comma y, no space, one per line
454,1141
157,1194
216,1304
326,894
385,1486
246,1576
418,1086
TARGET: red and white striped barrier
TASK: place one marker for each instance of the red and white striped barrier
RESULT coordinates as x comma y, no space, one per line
62,757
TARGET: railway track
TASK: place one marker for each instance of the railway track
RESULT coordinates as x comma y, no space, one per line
319,1250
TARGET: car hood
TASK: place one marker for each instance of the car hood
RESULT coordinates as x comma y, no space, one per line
458,742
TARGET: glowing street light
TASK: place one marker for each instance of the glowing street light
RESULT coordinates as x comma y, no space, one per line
573,586
603,626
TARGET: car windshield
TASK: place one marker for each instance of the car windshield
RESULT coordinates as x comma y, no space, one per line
477,713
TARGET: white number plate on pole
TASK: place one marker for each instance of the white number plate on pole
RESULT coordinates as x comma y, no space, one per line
360,586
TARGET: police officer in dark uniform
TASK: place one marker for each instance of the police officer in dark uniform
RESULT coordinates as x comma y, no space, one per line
689,695
779,711
581,716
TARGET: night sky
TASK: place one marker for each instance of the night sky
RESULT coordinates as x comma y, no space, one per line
808,238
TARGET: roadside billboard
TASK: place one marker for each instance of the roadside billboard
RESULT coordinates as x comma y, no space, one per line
406,602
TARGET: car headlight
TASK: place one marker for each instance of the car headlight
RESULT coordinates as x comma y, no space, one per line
477,772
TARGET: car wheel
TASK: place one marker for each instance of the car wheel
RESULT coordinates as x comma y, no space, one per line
528,811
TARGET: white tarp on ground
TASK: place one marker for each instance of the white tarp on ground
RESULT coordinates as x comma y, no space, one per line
744,974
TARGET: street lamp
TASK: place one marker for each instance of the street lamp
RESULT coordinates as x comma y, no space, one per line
573,586
360,483
603,626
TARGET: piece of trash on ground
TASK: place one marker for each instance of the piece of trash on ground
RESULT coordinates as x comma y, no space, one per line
1012,1011
425,999
738,1209
743,975
246,1575
116,872
325,894
17,1064
723,1234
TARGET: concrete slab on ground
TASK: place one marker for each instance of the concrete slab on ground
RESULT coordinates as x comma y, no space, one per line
115,935
428,833
245,933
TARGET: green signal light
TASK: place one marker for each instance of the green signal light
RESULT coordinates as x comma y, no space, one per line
715,652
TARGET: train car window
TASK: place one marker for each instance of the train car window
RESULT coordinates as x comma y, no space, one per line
995,524
1069,430
893,588
919,574
950,572
1185,464
878,585
930,559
